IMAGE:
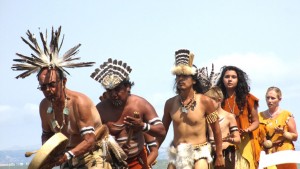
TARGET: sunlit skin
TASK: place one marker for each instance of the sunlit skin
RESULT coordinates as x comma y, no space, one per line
230,81
82,113
228,120
191,127
273,100
118,110
152,150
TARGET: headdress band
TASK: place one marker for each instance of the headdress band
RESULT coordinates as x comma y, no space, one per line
184,63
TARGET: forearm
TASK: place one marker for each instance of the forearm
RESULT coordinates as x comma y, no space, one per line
217,137
86,145
160,140
155,130
253,126
290,136
152,158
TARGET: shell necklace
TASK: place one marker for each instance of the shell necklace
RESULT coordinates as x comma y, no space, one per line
54,122
190,105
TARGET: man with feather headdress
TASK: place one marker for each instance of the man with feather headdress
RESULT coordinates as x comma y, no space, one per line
62,110
190,111
127,116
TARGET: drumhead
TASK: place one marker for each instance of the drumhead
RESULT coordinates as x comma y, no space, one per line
51,148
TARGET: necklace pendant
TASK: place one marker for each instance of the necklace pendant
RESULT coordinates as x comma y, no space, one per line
55,124
184,110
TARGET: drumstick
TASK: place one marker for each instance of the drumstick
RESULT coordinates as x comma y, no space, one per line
130,132
101,132
29,153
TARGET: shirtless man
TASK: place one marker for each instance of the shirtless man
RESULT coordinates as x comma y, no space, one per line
126,115
63,110
190,111
151,146
229,129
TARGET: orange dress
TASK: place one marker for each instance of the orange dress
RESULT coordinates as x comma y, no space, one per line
249,147
267,127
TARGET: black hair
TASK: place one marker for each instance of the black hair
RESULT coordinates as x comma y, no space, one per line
197,86
242,89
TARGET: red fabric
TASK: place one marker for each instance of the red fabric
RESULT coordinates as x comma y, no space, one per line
134,163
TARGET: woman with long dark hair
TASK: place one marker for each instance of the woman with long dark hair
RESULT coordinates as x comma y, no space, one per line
238,101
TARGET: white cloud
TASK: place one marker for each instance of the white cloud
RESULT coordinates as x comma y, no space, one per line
14,114
4,108
257,65
31,109
5,113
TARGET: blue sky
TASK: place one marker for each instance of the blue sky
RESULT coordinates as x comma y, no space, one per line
261,37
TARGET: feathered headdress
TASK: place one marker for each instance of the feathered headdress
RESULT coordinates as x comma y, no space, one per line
184,63
48,56
111,73
207,81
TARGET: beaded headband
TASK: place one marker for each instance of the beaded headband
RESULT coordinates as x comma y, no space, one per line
48,56
111,73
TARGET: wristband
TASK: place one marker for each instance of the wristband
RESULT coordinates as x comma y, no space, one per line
69,155
146,127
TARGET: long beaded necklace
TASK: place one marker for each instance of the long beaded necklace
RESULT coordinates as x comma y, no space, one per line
54,122
190,105
231,110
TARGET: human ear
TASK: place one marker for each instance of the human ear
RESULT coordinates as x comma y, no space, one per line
64,81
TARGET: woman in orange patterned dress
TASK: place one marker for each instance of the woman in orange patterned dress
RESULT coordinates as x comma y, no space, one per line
279,126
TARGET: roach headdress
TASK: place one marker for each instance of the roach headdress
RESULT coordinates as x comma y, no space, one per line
184,63
111,73
48,56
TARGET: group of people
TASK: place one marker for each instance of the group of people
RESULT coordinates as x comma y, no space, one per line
215,118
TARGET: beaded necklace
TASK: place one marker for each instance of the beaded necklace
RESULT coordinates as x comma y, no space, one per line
274,114
231,110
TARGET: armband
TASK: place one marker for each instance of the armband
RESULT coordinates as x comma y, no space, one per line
86,130
146,127
155,121
233,129
152,143
212,117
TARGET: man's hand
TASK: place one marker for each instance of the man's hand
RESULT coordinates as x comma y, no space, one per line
56,161
135,123
219,163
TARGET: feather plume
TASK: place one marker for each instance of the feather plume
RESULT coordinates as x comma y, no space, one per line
48,56
207,81
191,59
111,73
